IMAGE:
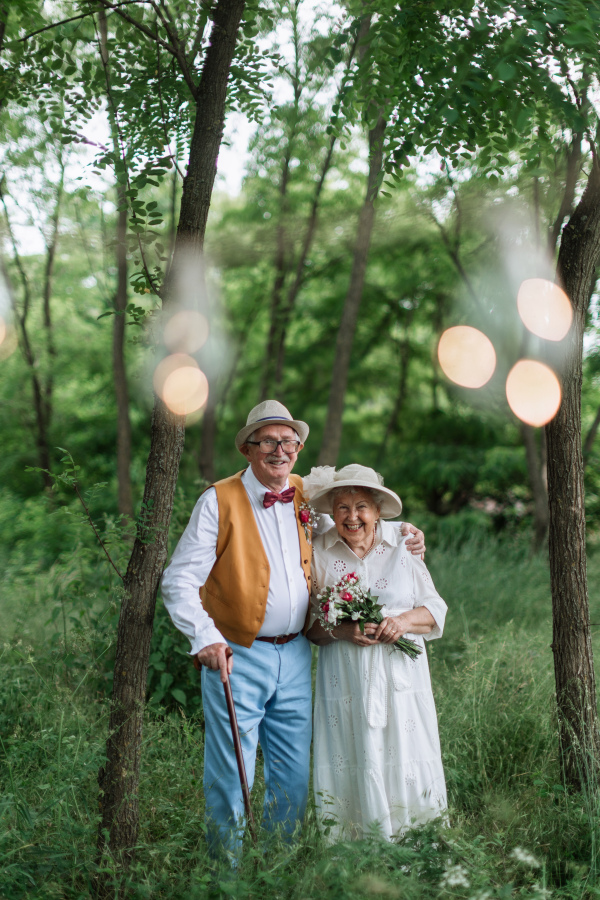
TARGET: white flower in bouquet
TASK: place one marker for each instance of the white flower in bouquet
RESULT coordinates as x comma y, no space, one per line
348,601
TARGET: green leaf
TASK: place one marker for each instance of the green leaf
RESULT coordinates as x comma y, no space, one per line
505,71
179,695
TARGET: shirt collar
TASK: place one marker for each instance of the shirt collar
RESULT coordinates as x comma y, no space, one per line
254,486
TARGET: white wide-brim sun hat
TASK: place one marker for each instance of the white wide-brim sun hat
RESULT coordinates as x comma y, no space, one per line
318,487
270,412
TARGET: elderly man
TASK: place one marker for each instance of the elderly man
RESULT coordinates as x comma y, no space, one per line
238,586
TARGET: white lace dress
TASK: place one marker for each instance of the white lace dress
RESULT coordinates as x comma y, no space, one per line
377,762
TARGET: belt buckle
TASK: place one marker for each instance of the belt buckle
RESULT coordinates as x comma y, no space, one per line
280,638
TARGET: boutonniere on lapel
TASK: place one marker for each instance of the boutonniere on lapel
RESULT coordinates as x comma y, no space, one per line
308,519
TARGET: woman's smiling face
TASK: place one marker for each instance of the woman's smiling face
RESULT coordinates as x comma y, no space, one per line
355,515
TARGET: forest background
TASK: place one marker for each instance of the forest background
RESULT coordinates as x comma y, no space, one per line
338,248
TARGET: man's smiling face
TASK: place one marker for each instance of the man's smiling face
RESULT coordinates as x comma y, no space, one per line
272,469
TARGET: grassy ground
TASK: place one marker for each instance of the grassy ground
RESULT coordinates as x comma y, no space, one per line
514,831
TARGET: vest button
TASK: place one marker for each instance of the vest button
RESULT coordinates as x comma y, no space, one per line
305,562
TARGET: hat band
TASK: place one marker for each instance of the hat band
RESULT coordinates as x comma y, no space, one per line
271,419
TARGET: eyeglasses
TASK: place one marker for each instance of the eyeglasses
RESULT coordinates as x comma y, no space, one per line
270,446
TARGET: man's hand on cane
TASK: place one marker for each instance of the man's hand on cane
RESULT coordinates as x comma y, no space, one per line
217,657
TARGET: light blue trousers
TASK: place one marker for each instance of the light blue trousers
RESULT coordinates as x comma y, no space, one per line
271,687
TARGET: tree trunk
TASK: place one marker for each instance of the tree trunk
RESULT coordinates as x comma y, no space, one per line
269,378
38,390
292,294
573,661
343,347
119,778
309,234
47,297
206,457
3,21
538,487
591,437
125,498
404,359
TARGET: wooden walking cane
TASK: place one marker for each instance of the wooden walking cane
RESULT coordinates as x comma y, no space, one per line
235,733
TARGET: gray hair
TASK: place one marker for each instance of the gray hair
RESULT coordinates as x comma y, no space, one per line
376,496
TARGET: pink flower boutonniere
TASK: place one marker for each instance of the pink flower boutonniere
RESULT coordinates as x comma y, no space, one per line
308,519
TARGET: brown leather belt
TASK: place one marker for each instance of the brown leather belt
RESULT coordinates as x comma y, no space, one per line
279,639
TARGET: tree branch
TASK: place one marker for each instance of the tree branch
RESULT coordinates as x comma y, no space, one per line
74,19
118,146
568,199
162,113
140,25
94,529
177,45
590,438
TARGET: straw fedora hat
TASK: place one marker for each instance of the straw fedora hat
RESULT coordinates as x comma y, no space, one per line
270,412
353,475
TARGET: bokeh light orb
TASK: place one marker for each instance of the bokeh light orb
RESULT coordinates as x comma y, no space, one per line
533,392
185,391
467,356
544,308
186,331
180,384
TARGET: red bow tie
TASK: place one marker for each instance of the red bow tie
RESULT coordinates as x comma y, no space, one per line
285,497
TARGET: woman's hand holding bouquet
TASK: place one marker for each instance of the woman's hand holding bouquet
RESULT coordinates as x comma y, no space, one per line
348,602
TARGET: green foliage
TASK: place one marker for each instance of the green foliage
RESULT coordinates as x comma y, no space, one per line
514,832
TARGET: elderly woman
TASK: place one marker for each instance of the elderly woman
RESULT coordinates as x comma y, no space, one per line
377,763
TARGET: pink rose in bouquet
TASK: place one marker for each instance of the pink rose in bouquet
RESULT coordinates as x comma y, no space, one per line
349,601
304,516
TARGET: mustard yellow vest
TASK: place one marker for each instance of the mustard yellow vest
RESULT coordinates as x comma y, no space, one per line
235,592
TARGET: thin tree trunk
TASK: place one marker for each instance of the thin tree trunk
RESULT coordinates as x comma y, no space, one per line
538,486
535,461
343,348
206,457
292,295
51,246
573,660
266,387
591,437
22,314
3,22
125,498
119,778
124,495
404,354
568,198
309,235
268,384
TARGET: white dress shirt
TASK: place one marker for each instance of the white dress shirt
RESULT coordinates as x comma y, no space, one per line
196,554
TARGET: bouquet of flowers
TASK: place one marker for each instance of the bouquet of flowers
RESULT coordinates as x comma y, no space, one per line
348,601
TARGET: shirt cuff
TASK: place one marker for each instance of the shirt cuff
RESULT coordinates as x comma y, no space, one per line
210,635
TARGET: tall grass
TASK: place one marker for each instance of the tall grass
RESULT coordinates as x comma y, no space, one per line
514,831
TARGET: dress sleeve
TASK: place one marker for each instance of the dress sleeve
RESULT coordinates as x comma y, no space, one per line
194,557
427,596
